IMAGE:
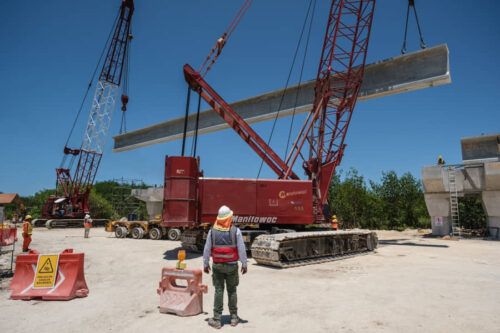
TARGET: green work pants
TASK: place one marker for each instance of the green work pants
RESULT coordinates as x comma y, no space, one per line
228,274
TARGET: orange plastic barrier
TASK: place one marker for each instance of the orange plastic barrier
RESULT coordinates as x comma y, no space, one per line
69,283
8,235
181,300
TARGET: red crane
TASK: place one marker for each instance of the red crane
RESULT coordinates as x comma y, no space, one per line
72,191
274,210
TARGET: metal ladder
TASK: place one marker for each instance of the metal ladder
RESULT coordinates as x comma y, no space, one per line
455,218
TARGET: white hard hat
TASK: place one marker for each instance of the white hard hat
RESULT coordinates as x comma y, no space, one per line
224,212
87,216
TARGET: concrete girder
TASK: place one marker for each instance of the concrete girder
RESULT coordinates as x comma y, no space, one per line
408,72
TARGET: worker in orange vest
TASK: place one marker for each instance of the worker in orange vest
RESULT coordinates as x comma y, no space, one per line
27,231
335,222
87,224
226,247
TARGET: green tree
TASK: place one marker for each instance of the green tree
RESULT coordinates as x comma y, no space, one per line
471,213
413,209
350,200
389,192
34,203
100,207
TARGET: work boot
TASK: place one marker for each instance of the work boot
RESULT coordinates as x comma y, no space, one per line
235,320
215,323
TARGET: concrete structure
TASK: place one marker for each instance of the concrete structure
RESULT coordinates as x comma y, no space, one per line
478,174
153,197
412,71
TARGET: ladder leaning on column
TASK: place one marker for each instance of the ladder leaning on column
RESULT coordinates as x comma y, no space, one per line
455,218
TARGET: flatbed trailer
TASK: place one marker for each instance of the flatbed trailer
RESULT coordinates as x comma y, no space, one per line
142,229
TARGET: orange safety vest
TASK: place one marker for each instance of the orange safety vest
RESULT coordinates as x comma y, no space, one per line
224,252
87,223
27,228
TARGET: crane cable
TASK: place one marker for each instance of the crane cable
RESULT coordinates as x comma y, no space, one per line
222,40
411,3
196,127
205,67
290,74
124,97
88,88
300,82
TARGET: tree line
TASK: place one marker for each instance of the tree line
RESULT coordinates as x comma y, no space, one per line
394,202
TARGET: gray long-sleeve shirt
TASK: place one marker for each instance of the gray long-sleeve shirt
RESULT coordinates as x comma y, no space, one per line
242,252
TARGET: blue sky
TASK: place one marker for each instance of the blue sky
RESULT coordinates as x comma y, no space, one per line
49,49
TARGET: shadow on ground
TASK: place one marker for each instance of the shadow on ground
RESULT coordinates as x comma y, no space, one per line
226,320
172,254
396,242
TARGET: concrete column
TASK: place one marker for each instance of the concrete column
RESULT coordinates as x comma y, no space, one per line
491,204
438,206
153,197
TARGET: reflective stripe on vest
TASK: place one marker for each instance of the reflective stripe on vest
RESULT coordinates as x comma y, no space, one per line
224,247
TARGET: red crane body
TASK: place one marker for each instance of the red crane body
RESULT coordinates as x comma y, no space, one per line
191,200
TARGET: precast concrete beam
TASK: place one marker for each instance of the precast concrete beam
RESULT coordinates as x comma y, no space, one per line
412,71
480,147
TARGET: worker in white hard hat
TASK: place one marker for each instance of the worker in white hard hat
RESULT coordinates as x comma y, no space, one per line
226,246
87,224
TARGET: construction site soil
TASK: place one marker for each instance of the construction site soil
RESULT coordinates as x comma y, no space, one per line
409,284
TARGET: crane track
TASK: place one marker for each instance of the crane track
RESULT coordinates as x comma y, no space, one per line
305,248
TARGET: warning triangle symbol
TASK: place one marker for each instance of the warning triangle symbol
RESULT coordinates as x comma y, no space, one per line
46,267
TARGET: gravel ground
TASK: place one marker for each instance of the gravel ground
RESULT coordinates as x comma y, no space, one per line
410,284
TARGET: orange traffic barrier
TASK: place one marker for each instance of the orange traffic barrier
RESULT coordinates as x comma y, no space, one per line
8,234
181,299
62,273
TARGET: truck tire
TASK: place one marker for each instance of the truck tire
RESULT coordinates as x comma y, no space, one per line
174,234
48,224
137,233
121,232
155,233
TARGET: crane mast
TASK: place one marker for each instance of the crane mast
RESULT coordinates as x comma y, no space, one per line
338,82
76,188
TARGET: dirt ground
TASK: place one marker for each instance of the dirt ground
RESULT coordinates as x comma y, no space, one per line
410,284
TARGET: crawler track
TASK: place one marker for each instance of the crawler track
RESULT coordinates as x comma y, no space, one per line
305,248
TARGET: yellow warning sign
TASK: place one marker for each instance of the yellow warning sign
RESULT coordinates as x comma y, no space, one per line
46,271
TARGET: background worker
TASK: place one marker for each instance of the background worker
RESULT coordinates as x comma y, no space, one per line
441,160
87,224
226,246
27,232
335,222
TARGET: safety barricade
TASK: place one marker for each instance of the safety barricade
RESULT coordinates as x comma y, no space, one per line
8,234
58,277
184,299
